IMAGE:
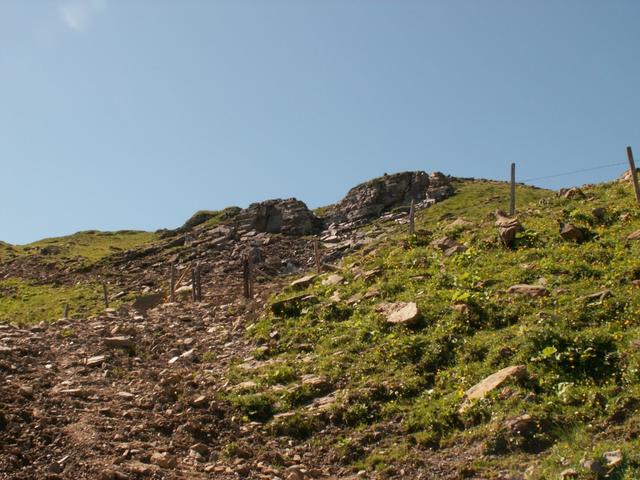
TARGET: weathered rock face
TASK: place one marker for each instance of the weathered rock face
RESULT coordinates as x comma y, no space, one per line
370,199
290,216
439,187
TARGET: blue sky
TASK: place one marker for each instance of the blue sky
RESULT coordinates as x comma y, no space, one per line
122,114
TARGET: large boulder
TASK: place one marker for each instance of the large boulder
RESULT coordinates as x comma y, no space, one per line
370,199
289,216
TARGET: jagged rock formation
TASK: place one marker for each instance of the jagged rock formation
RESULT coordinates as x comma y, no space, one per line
290,216
371,199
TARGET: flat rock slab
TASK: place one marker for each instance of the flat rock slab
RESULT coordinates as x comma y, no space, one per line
400,313
493,381
634,236
529,290
303,282
95,361
333,279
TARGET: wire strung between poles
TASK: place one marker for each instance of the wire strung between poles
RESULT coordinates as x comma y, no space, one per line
574,172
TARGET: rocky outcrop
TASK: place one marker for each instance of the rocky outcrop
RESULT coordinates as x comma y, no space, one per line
371,199
290,216
439,187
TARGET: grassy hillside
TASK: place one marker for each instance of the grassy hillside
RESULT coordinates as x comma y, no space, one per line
87,247
29,300
581,392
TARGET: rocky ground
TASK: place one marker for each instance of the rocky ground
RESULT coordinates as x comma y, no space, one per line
134,393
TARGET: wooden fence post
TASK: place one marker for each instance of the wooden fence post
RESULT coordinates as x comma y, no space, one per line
512,200
412,214
198,284
194,283
172,283
634,174
247,274
316,254
105,293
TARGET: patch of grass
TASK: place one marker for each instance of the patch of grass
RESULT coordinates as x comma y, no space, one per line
86,247
23,303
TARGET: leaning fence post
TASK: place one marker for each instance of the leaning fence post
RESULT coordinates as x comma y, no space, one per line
316,254
105,293
512,199
634,174
412,214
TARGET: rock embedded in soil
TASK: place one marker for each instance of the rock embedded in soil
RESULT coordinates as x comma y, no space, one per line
634,236
400,313
333,279
534,291
303,282
163,460
571,233
612,459
508,227
121,341
493,381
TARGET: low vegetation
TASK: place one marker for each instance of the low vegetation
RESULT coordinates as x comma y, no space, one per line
85,248
580,396
26,303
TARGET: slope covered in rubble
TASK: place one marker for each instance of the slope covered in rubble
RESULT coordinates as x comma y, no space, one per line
481,346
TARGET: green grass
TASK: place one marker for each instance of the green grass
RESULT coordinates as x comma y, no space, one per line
211,218
85,247
23,303
584,369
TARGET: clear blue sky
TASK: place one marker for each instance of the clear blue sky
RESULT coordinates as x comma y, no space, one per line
133,114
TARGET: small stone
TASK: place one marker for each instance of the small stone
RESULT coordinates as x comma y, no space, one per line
295,474
119,342
333,279
163,460
303,282
568,473
573,192
572,233
200,401
529,290
634,236
612,459
400,313
594,466
95,361
201,448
